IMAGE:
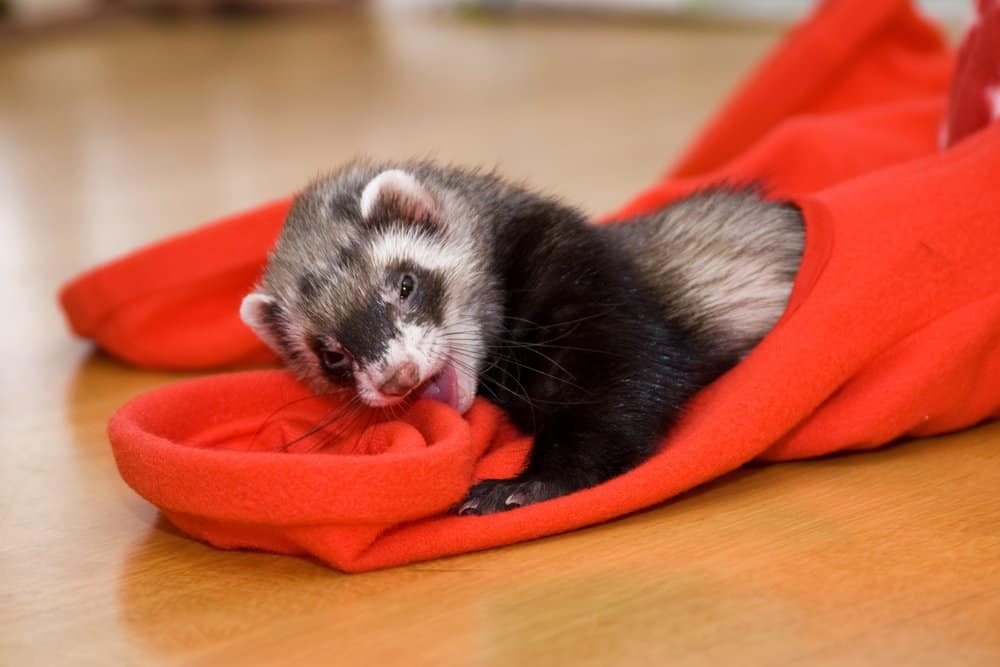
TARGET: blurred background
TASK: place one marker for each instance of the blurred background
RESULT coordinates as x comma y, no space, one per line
122,121
42,12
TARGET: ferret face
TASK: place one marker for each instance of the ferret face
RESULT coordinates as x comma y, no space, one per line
364,292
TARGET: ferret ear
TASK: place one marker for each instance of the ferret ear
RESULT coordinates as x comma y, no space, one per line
396,194
259,311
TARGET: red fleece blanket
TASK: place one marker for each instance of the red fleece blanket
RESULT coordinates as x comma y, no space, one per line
893,329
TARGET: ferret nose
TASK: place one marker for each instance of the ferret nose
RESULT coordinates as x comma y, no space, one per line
406,377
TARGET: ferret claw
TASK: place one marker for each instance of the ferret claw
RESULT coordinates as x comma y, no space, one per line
516,500
499,495
469,508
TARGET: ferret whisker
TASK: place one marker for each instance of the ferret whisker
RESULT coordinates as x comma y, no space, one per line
520,364
548,344
535,326
367,419
567,381
497,384
473,344
523,394
278,410
323,430
547,358
325,421
345,426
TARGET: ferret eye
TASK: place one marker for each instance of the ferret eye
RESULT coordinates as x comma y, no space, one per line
333,360
406,286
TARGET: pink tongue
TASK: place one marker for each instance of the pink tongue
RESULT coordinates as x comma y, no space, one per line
444,387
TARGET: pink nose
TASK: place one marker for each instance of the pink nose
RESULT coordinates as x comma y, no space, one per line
406,377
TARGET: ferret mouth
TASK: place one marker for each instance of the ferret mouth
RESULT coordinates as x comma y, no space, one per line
443,387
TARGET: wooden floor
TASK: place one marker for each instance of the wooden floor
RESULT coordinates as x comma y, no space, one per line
115,137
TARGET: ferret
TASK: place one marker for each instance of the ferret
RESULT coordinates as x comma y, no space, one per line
415,280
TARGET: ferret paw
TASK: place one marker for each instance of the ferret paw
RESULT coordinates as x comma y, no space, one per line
499,495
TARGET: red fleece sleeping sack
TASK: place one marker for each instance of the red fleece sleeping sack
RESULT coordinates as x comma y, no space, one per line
893,329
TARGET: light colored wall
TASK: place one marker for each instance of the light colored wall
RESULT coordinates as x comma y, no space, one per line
948,10
37,11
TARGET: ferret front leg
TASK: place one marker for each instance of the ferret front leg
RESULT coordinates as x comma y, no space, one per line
568,455
499,495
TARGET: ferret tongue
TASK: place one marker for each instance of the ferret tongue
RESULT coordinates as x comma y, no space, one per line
444,387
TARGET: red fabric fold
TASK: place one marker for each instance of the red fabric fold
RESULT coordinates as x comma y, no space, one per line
975,86
175,304
848,54
893,329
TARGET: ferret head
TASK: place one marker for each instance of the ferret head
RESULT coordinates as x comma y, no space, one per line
375,286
